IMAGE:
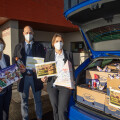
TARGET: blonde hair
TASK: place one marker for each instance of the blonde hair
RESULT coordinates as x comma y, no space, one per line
54,38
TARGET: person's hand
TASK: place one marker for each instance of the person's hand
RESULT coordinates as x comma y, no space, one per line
33,69
18,79
1,89
44,79
3,79
22,70
70,88
74,82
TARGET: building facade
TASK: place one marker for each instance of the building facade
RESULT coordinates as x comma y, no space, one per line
45,17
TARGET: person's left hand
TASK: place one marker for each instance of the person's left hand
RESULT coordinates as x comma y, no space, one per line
44,79
1,89
70,88
22,70
33,69
18,79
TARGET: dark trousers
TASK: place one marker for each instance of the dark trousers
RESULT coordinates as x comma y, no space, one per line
59,97
5,99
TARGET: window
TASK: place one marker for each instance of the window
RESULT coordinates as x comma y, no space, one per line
77,47
105,38
102,63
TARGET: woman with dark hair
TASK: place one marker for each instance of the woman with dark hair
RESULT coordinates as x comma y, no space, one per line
59,95
6,93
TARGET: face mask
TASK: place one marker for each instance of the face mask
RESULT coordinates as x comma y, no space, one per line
58,45
29,37
1,47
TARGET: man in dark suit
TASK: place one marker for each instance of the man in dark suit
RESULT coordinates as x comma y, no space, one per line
34,49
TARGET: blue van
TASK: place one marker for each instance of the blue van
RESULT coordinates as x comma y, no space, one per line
99,25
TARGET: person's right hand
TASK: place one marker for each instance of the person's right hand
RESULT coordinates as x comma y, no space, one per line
22,70
44,79
18,79
1,89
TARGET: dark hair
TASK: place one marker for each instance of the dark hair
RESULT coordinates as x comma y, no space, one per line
54,38
1,40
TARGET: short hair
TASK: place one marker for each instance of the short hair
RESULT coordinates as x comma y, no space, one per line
29,27
1,40
54,37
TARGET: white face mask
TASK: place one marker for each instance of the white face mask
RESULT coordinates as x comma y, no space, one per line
58,45
29,37
1,47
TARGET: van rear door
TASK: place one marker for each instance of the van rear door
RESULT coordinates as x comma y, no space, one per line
99,22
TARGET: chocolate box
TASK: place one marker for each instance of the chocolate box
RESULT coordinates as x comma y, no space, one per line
113,83
102,76
112,108
90,97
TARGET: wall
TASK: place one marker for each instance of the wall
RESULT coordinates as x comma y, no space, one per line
40,11
14,36
68,38
74,37
9,33
47,36
71,37
38,35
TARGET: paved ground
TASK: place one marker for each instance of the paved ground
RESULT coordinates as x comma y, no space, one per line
47,116
15,111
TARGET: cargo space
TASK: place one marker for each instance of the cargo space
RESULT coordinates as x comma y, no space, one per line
98,86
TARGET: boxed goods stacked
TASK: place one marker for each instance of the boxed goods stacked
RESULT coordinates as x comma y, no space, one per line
114,66
113,83
101,76
93,98
112,100
94,92
101,89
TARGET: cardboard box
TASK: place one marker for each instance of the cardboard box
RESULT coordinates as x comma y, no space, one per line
113,83
90,97
112,67
110,109
102,76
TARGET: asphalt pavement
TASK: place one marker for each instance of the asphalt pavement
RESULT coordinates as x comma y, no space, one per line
15,106
47,116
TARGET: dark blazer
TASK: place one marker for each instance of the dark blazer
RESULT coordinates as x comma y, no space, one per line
37,51
7,61
50,56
